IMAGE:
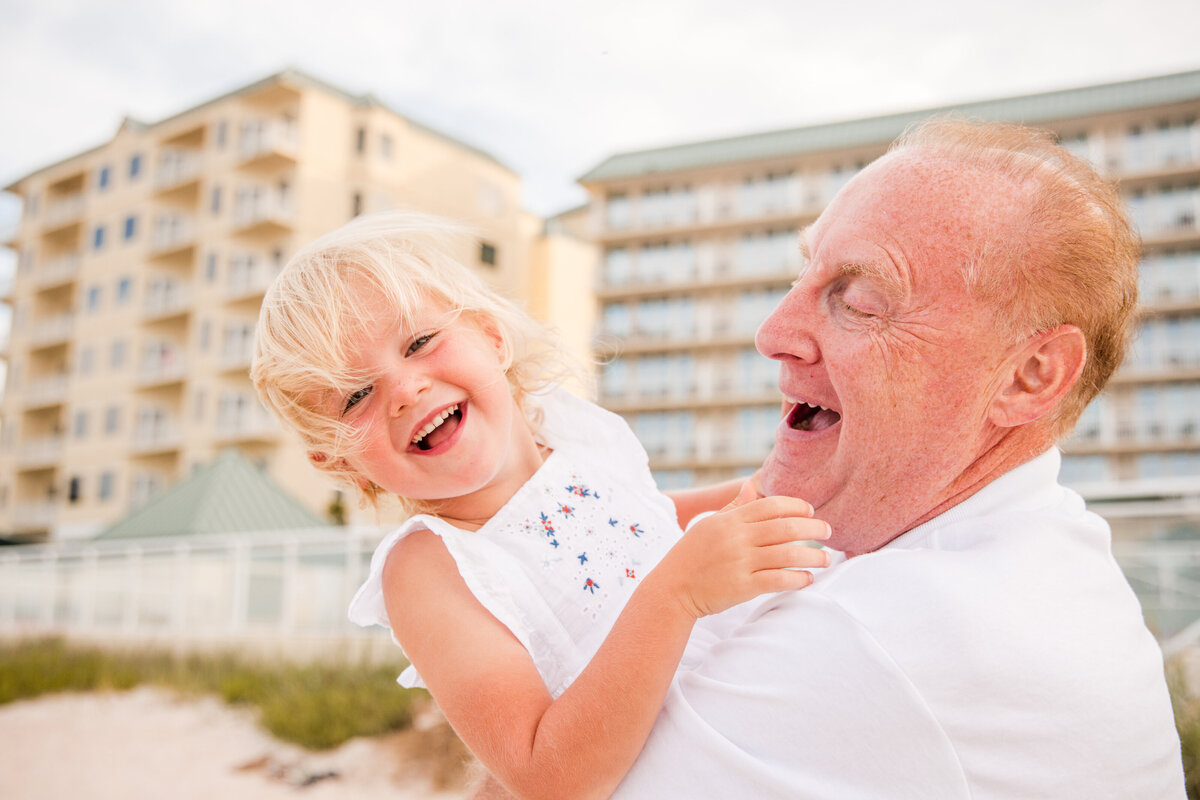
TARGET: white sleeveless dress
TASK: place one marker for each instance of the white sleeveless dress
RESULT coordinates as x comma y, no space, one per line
559,561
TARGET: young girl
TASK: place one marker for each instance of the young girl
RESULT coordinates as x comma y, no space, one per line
544,592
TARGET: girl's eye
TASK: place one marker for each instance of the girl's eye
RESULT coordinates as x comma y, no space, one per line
356,398
418,343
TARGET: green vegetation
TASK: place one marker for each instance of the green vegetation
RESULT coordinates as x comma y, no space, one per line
1187,720
314,705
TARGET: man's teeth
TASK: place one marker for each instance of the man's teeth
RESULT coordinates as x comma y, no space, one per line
434,424
793,401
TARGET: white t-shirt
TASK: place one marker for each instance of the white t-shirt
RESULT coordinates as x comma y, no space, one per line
993,652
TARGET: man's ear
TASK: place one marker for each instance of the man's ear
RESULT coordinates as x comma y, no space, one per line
1039,375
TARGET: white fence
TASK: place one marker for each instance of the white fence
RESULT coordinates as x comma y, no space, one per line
292,587
285,587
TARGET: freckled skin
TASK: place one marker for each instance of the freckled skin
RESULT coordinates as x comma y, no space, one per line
912,364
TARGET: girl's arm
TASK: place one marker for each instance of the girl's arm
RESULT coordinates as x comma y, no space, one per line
690,502
583,743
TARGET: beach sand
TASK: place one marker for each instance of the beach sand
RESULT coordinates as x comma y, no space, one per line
152,743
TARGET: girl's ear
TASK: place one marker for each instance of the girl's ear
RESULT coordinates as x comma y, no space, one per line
495,334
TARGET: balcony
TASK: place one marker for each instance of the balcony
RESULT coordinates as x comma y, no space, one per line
57,271
46,391
159,437
266,144
52,329
63,211
42,451
166,300
236,356
263,212
249,282
172,235
38,515
249,425
164,369
176,170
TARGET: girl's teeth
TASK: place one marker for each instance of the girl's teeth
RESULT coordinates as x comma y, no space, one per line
434,424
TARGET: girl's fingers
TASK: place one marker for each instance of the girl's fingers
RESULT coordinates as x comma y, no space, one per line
769,508
788,529
789,556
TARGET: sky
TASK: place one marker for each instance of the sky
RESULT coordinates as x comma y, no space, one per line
552,88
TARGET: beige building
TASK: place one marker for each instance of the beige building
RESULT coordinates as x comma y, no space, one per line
698,245
141,265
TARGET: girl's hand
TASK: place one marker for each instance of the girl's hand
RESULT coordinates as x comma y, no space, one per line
750,547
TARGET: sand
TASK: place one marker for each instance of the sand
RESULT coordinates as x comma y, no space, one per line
151,743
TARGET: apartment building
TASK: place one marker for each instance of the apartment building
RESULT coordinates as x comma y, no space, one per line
698,244
141,265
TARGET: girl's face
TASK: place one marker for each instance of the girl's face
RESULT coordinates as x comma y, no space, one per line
438,419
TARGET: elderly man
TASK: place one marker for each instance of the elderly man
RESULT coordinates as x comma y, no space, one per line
965,296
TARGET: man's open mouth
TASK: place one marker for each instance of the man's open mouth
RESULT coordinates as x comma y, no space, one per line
805,417
438,429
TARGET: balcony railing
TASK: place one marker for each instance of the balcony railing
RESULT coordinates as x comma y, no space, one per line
246,425
176,170
165,302
52,329
249,212
45,391
40,450
161,370
63,210
245,282
171,236
57,270
35,515
269,138
161,436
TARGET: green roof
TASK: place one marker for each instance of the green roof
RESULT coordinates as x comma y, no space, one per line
1029,109
230,495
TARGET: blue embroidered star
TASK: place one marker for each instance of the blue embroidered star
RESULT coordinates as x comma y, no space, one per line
613,522
554,542
582,558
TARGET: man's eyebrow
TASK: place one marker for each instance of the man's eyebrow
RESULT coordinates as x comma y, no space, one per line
873,270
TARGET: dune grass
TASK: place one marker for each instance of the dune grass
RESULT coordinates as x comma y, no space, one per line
317,706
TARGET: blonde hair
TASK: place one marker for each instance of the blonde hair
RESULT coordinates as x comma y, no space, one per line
313,314
1075,258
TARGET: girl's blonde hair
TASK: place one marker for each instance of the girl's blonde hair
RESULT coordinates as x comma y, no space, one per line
313,318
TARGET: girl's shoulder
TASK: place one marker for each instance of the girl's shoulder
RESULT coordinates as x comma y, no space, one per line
368,607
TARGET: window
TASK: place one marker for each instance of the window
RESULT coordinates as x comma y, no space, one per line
487,253
106,485
74,489
360,141
130,227
210,268
124,290
93,298
112,419
86,357
222,130
81,424
98,237
215,204
356,206
135,166
385,147
102,178
205,334
117,359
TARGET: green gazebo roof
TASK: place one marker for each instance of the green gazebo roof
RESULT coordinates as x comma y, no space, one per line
230,495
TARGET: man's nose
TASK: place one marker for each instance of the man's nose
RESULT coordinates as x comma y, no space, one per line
786,333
